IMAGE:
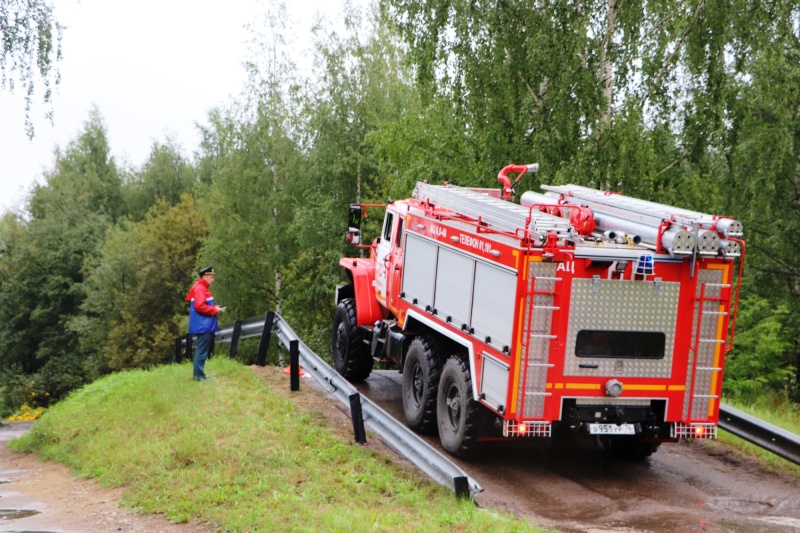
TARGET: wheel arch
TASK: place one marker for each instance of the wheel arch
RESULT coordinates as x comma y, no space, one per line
361,273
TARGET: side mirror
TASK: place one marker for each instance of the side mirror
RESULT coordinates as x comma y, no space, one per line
353,235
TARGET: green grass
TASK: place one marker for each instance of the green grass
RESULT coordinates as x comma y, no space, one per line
236,453
781,413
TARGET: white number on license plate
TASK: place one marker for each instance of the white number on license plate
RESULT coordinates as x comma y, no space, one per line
611,429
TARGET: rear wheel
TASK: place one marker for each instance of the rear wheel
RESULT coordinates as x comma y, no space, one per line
421,371
351,356
456,410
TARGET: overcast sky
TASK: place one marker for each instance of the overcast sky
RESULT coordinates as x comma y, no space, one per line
152,68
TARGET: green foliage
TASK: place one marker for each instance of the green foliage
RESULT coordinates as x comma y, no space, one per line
44,258
761,360
250,206
85,182
359,93
135,292
30,50
165,177
309,304
216,452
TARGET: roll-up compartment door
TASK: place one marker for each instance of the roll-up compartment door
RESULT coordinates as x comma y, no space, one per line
419,270
493,303
454,278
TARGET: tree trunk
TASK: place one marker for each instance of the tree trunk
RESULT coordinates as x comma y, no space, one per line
605,71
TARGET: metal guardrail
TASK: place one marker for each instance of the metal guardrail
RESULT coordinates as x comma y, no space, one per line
250,328
231,333
768,436
420,453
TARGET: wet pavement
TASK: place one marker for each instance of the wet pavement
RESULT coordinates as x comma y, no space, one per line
13,506
575,486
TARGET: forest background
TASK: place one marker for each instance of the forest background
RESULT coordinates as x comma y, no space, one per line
685,102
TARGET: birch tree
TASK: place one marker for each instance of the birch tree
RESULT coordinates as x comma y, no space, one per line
30,50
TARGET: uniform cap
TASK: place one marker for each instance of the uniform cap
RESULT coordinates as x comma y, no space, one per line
207,270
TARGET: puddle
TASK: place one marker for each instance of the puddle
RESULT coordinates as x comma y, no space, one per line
14,514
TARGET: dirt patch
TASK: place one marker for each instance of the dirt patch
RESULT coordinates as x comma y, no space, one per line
62,502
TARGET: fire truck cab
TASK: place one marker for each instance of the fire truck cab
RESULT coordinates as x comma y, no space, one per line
577,308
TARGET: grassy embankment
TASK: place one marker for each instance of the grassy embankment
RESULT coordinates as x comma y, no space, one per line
238,453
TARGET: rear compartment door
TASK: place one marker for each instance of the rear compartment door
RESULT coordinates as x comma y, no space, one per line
621,328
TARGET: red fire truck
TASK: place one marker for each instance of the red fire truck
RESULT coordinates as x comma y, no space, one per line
576,308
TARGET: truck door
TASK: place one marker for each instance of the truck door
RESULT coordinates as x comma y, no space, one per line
382,256
395,267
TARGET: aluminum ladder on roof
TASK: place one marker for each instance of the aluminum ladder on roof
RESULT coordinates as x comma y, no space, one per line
498,214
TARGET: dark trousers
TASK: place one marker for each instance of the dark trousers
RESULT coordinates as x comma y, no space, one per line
201,354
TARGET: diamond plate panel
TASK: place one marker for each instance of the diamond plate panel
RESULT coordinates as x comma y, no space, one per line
622,305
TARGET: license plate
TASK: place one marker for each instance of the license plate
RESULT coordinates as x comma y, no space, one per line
611,429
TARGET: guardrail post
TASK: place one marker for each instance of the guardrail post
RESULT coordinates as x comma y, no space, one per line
294,365
212,345
358,418
237,330
263,346
461,486
179,350
188,353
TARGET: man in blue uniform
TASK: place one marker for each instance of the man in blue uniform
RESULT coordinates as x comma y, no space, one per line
202,319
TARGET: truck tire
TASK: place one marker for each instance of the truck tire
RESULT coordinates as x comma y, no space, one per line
351,356
457,411
421,370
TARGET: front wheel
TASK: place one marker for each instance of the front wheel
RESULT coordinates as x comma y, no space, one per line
456,410
351,356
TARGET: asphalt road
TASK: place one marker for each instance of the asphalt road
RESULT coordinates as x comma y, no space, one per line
574,486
